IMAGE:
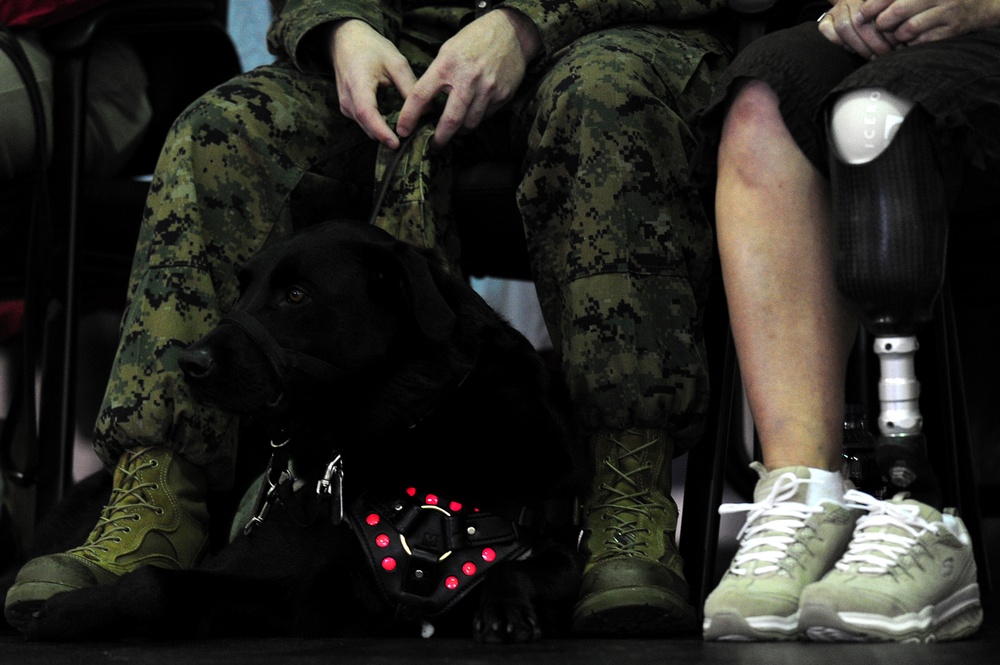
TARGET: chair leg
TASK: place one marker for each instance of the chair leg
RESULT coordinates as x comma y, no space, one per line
57,408
705,479
951,443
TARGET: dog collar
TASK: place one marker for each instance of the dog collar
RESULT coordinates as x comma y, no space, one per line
427,552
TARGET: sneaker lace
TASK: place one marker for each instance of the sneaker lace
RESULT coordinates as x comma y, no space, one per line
625,500
770,527
128,496
882,536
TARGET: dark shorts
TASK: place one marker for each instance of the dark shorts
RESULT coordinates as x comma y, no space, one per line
957,82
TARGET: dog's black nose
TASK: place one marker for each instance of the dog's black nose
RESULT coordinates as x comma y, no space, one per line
195,362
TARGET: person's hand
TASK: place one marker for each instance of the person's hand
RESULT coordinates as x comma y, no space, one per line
846,26
919,21
364,61
479,68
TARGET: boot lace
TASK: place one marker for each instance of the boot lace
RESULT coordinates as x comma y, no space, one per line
770,527
625,500
888,532
128,498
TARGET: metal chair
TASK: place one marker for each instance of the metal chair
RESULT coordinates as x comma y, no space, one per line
92,223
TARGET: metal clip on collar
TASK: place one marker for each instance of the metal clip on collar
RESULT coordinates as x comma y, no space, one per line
332,485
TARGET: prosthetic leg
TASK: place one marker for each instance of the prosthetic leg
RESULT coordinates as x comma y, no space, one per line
890,205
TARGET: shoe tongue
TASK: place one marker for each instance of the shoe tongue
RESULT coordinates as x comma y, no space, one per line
632,455
127,477
630,462
780,476
924,511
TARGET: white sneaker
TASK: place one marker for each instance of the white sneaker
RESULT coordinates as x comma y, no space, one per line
908,575
796,529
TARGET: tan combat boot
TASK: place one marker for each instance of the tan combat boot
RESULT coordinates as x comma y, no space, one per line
156,516
633,582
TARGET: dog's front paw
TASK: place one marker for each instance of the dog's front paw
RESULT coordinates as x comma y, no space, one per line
506,621
98,613
70,617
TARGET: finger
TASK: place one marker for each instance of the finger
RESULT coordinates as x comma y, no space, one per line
403,78
932,35
870,9
856,36
419,100
853,42
362,107
415,106
452,119
478,109
890,17
375,126
928,26
878,43
825,25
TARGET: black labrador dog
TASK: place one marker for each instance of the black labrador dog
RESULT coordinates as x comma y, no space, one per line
424,472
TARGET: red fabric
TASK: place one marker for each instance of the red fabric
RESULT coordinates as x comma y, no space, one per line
39,13
11,318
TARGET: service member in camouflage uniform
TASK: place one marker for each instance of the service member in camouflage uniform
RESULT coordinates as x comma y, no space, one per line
594,97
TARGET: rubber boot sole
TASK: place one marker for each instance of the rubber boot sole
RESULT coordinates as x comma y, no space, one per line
634,611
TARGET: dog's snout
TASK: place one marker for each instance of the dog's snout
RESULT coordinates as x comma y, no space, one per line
196,362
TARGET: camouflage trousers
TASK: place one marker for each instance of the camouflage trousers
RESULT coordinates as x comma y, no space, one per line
619,242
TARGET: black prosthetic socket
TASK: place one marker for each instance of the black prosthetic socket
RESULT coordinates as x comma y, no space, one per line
892,217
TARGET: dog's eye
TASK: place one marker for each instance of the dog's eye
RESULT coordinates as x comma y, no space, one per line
295,295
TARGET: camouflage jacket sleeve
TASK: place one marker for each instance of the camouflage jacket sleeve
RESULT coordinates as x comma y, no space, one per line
298,28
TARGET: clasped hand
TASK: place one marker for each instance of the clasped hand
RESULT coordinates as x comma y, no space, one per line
872,28
479,69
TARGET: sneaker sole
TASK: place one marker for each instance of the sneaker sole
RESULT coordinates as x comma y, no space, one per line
634,611
731,627
958,617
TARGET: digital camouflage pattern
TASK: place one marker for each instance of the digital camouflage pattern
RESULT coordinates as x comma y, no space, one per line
619,241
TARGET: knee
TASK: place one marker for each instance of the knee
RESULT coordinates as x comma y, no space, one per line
258,103
604,90
752,123
208,115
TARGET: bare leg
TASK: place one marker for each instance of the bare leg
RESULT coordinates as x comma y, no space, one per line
777,244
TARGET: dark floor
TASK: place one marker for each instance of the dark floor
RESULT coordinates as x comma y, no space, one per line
977,650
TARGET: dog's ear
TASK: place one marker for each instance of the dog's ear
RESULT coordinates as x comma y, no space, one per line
433,314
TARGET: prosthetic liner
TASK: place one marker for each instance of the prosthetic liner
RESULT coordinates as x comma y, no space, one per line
890,207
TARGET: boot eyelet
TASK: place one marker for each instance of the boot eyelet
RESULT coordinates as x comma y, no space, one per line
160,511
154,487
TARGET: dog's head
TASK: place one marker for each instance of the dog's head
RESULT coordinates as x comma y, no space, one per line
330,305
